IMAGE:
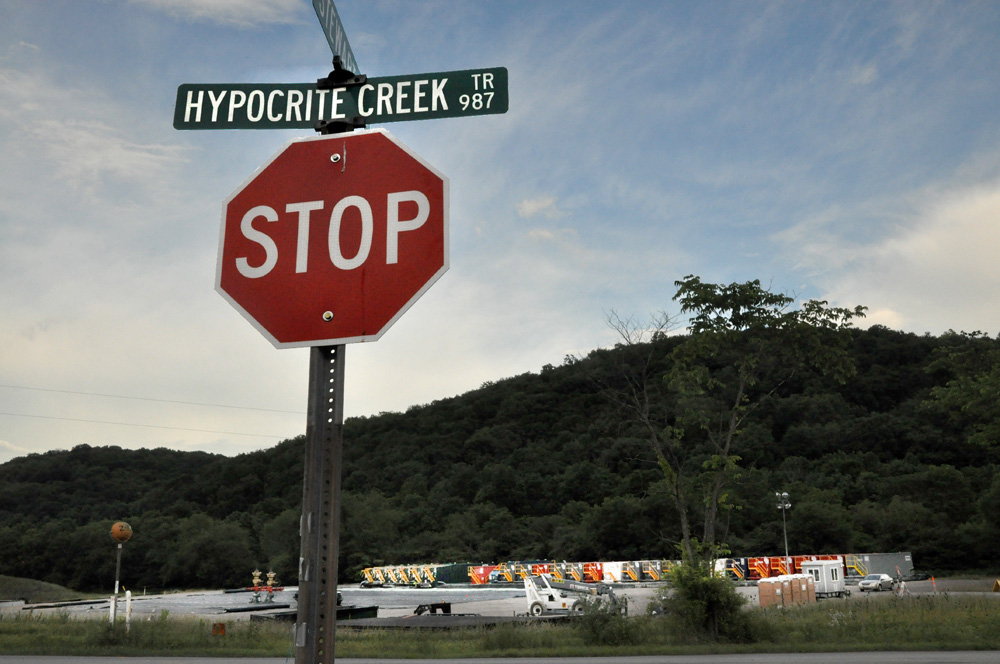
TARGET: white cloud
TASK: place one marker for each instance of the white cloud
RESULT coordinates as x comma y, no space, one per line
107,249
84,152
9,450
543,205
865,75
237,12
938,272
552,235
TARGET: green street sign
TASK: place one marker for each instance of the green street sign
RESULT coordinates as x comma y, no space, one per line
329,20
301,105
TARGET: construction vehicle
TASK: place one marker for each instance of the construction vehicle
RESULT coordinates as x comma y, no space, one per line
546,594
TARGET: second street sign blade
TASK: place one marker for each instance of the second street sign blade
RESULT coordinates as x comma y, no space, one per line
329,20
301,105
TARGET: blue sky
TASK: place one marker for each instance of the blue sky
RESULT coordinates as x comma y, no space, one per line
848,151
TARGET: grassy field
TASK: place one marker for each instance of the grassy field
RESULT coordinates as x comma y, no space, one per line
943,622
926,623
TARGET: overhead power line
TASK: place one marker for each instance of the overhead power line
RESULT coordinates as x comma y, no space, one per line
122,396
147,426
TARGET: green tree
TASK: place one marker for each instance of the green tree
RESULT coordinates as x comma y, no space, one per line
208,554
370,531
707,605
745,343
971,399
819,523
280,543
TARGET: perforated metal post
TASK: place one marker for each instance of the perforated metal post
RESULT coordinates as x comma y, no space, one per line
315,628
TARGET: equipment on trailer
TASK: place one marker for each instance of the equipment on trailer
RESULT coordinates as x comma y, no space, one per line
546,594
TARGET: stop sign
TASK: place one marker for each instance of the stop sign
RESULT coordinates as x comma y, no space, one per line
333,239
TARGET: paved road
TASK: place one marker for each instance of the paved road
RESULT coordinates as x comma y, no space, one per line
958,657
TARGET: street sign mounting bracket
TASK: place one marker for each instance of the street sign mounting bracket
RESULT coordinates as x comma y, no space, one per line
340,126
340,77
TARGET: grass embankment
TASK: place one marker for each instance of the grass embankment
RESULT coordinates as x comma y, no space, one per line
14,588
925,623
180,637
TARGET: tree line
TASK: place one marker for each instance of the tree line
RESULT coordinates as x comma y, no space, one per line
885,441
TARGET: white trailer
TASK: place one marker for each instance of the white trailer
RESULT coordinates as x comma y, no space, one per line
611,572
828,577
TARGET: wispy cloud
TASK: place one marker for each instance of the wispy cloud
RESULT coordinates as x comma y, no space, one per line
544,206
8,451
242,13
92,146
85,153
938,271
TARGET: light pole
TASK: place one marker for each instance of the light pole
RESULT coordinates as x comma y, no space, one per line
783,504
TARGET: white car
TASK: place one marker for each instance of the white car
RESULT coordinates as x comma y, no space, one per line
875,582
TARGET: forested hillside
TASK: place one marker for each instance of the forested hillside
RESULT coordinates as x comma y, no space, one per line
551,466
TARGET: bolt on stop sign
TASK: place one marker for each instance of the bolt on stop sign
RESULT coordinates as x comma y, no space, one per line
333,239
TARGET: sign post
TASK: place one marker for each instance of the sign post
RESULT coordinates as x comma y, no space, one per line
329,243
316,622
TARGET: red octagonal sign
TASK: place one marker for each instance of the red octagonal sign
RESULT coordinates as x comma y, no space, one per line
333,239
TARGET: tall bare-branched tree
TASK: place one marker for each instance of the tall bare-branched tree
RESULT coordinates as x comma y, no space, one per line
743,343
